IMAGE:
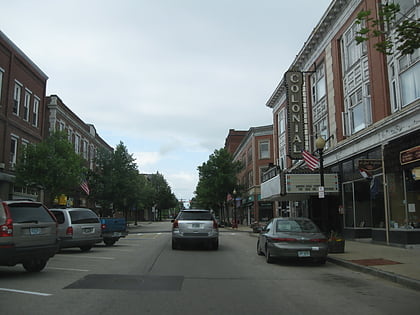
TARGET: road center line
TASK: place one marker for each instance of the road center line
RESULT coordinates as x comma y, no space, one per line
25,292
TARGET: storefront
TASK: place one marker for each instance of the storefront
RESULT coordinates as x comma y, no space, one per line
402,169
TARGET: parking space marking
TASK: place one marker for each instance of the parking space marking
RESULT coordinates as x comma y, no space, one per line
86,257
25,292
68,269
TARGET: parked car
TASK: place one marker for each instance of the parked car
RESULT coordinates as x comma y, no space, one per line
28,234
113,229
292,238
195,226
78,227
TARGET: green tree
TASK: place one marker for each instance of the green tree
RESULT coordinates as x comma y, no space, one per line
162,196
217,178
407,30
52,165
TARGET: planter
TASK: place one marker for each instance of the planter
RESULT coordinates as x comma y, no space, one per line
336,245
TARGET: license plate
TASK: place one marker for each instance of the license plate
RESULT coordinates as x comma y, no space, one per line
196,225
87,230
35,231
305,253
116,234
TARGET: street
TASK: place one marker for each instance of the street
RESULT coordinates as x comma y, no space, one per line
141,274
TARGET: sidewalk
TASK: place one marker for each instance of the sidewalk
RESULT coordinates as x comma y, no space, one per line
397,264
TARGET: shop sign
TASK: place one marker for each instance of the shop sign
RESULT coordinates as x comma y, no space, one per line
295,119
410,155
370,165
310,183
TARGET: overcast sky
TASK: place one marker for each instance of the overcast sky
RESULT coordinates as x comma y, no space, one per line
168,78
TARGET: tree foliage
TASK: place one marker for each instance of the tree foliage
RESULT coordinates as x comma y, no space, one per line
407,31
217,178
52,165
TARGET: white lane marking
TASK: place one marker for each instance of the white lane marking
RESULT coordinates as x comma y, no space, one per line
87,257
68,269
25,292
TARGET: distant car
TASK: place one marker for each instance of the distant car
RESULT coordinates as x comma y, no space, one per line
290,237
195,226
28,234
78,227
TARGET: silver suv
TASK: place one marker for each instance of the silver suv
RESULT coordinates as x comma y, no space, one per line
28,234
78,227
195,226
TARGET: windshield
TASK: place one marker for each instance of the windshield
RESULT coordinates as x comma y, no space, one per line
296,226
195,215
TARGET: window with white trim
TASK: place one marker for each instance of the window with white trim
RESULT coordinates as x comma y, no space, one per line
282,122
1,83
35,111
357,113
264,149
16,98
26,105
85,149
13,151
77,144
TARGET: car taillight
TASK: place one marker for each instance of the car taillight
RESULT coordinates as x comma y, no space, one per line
215,226
283,239
319,240
175,224
6,229
103,226
69,231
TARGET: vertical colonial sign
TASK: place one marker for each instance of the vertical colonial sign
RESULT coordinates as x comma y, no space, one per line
295,126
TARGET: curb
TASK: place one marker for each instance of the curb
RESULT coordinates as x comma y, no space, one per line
405,281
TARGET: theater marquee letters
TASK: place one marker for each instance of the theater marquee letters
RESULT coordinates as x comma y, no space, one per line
294,83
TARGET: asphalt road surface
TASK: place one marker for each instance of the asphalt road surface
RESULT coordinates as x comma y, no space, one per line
141,274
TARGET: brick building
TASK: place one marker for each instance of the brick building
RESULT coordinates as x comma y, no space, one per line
367,106
22,111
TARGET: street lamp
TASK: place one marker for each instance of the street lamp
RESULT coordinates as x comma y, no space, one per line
320,145
234,209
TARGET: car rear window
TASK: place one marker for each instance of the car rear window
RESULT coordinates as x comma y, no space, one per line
296,226
195,215
28,213
78,217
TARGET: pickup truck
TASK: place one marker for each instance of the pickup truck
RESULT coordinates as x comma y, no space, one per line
113,229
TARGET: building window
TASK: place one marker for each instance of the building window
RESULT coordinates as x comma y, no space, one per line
249,154
357,113
351,50
85,149
35,112
26,105
1,82
318,84
13,151
282,122
77,144
16,98
409,78
264,149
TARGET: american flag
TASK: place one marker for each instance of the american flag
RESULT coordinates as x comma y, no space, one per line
84,185
311,161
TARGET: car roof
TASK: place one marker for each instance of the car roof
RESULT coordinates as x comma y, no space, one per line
9,202
70,209
195,210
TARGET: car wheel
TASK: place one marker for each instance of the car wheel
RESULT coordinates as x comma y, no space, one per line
35,265
109,242
268,257
174,244
85,248
259,252
321,261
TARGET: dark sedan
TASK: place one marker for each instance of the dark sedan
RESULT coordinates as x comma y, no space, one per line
296,238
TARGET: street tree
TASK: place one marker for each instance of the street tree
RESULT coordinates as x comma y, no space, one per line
162,195
217,178
392,28
52,165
